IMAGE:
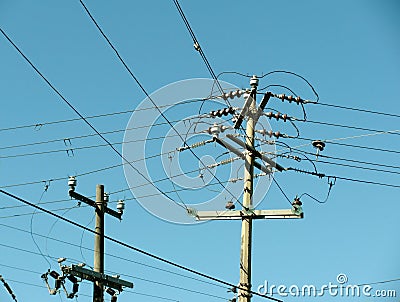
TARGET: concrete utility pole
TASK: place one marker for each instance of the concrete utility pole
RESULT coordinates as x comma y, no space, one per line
248,213
99,243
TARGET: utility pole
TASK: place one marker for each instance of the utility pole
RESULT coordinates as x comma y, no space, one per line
247,214
96,275
99,243
247,222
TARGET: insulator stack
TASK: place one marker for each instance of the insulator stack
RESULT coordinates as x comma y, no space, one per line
232,94
221,112
277,116
298,100
195,145
223,162
227,161
270,133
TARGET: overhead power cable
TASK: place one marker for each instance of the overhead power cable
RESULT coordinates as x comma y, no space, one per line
69,139
335,142
351,127
107,254
138,278
357,109
348,159
78,113
133,248
197,46
150,99
39,125
322,175
356,167
88,147
8,288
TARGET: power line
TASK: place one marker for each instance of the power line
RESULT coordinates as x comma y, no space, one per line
334,142
356,109
78,113
69,148
150,295
356,167
131,247
65,139
322,175
107,254
282,191
198,47
178,287
350,127
348,159
150,99
39,125
8,288
138,278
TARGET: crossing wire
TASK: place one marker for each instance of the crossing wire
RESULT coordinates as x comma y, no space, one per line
79,114
197,45
107,254
150,99
41,124
88,147
64,139
133,248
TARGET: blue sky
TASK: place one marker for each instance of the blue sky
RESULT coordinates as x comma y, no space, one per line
348,50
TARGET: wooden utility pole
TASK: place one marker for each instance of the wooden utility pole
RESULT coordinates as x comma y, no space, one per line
247,222
99,244
247,214
97,276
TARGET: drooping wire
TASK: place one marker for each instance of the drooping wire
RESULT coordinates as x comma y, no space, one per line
331,184
79,114
138,250
53,225
81,241
297,75
295,94
233,72
149,97
107,254
31,227
182,204
202,54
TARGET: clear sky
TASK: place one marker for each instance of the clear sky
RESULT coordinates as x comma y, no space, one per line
348,50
